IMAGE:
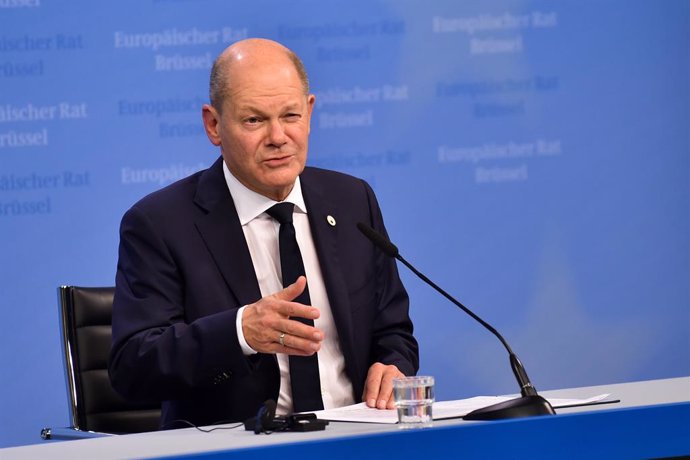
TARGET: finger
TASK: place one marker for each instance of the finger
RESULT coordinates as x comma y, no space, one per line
386,390
299,329
292,291
373,384
386,387
297,310
293,344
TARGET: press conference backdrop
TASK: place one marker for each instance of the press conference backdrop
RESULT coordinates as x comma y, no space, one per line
530,156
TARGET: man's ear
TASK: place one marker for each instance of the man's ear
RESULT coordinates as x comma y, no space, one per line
211,119
310,109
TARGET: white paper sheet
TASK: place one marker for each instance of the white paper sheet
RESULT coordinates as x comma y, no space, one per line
442,409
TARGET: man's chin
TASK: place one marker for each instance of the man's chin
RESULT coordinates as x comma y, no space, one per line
280,187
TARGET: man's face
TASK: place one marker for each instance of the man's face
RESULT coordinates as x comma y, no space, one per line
263,131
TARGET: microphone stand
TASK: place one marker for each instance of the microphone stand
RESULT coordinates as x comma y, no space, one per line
529,403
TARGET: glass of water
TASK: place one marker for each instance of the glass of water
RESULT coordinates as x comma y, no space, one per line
414,397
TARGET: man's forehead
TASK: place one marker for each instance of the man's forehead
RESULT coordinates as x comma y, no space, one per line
253,67
271,81
261,64
268,102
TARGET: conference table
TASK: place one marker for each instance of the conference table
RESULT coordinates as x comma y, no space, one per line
652,420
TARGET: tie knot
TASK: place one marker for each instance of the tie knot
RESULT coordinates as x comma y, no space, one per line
282,212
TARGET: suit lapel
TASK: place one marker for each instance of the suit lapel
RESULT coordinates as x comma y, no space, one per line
222,233
325,237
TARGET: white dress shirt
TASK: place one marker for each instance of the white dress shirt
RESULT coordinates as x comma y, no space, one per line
261,232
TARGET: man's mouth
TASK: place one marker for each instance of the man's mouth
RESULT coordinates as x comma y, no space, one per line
278,160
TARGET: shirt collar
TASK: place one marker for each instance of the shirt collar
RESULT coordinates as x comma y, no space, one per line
250,205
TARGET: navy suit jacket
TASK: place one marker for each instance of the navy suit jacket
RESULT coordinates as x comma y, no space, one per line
184,270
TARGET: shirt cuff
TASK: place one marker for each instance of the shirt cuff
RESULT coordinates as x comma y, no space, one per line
246,349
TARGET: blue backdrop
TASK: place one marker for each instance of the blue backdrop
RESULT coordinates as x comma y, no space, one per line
530,156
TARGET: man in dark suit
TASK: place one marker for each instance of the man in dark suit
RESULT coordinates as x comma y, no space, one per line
201,318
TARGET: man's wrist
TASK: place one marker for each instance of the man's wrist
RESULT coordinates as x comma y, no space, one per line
246,349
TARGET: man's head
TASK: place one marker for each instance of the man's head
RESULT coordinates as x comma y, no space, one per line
260,115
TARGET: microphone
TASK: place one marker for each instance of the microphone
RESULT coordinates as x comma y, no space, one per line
530,403
266,421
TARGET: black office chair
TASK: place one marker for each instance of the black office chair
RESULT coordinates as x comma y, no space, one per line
95,408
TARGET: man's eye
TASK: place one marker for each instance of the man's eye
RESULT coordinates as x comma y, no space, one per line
252,120
292,116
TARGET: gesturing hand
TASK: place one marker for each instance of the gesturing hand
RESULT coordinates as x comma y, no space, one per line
267,326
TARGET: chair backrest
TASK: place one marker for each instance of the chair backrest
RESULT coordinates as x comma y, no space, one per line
86,318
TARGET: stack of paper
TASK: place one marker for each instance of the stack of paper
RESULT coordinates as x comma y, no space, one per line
441,410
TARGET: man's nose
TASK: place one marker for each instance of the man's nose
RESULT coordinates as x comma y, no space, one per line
276,134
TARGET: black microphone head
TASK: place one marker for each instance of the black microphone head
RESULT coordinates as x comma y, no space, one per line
379,240
270,406
264,417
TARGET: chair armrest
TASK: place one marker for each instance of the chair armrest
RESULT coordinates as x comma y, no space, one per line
69,433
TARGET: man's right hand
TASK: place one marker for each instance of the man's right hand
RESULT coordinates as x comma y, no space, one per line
264,321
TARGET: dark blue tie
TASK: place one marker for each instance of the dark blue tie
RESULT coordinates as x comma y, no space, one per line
304,370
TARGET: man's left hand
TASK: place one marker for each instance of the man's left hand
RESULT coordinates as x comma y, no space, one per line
378,389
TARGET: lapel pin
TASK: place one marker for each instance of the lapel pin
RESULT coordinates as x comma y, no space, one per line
330,220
